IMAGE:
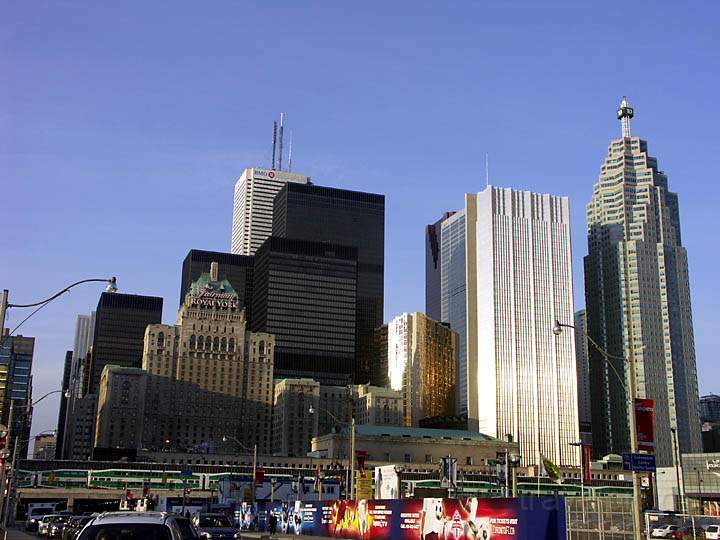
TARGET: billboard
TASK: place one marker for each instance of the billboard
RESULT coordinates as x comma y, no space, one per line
387,482
644,414
525,518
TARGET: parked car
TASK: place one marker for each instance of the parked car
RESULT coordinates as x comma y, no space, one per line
712,532
689,533
132,526
44,523
34,517
56,525
214,526
73,527
664,531
187,529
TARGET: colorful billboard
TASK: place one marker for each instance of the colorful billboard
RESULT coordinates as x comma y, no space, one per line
644,416
525,518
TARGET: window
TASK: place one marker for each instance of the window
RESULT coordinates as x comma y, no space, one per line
407,458
161,339
468,460
428,458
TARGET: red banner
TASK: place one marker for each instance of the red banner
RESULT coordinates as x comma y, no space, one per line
259,476
586,459
644,414
361,455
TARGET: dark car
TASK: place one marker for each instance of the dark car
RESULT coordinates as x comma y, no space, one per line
214,526
187,529
56,526
73,527
689,533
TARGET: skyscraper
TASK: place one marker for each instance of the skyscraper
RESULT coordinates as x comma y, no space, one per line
255,192
346,218
522,378
237,269
433,268
305,295
638,301
583,372
422,365
120,323
16,357
62,411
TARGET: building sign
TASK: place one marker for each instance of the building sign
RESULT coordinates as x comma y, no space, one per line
387,482
586,461
212,299
363,485
713,464
644,415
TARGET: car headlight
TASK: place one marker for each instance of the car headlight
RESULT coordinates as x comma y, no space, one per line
204,535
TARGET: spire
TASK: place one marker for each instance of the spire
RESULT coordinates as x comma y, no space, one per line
624,114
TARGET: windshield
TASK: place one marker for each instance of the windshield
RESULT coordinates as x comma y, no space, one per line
214,521
40,511
59,519
126,531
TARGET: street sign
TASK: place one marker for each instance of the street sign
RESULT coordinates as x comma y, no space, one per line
639,462
186,473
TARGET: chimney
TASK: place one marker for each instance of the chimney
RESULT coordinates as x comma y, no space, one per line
213,271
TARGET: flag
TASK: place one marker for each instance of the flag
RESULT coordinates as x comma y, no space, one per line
549,469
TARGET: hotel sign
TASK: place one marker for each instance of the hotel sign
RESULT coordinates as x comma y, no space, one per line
213,299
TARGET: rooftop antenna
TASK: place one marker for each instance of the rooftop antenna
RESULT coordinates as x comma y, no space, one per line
624,114
487,170
274,144
290,154
282,122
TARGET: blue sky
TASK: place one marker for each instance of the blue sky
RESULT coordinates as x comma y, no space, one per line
123,127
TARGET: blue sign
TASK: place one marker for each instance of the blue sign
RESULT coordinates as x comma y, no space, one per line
186,473
639,462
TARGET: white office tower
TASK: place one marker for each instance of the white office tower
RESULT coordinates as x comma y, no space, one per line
522,379
255,192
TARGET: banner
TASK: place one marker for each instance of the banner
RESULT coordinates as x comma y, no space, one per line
363,485
387,482
586,459
644,414
449,472
526,518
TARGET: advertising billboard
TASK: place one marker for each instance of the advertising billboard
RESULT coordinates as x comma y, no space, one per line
525,518
644,415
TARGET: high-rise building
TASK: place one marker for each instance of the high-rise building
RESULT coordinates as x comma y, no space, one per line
637,295
305,294
44,447
453,299
522,378
379,368
64,399
16,357
377,406
422,365
346,218
433,268
295,416
255,192
237,269
120,323
583,372
710,408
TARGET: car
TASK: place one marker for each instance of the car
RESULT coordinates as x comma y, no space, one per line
187,529
44,524
689,533
34,517
132,526
56,525
214,526
712,532
73,526
664,531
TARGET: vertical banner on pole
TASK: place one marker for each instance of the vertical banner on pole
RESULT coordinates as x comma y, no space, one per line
644,415
586,459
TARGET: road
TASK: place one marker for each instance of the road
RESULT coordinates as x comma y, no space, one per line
19,534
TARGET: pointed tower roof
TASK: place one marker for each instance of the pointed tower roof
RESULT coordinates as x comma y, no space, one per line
624,114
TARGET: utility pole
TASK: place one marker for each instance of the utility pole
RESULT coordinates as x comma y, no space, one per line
352,458
3,310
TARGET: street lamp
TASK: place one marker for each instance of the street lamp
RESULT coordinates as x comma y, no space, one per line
351,465
630,394
254,451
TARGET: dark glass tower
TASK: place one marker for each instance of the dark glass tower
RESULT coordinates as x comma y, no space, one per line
120,322
348,218
62,412
16,357
433,269
305,294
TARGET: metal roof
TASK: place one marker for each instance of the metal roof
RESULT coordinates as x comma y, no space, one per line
423,433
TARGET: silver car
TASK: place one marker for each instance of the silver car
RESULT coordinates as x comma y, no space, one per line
132,526
44,524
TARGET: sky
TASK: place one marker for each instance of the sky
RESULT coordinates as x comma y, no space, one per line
124,126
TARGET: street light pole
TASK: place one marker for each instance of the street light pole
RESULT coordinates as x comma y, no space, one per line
243,446
351,466
630,391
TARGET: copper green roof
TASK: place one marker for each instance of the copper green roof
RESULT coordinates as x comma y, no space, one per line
204,283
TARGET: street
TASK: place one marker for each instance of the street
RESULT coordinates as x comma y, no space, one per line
18,534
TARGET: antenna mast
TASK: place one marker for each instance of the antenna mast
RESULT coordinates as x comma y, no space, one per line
274,144
282,122
624,114
290,154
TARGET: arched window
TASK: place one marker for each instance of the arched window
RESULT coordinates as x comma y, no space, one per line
223,344
261,347
192,341
216,344
232,344
208,343
161,339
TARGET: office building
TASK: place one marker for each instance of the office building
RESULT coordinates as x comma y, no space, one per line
255,192
710,408
305,295
379,367
522,378
64,399
453,300
345,218
637,295
121,407
80,427
44,447
422,365
378,406
237,269
295,416
16,358
120,322
583,373
433,268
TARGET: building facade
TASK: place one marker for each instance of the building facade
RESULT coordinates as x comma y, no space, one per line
433,268
255,192
710,408
346,218
305,295
638,301
16,358
295,416
44,447
63,409
379,368
378,406
522,378
422,365
582,359
121,407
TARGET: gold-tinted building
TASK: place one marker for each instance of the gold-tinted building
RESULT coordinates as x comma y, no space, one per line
422,364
